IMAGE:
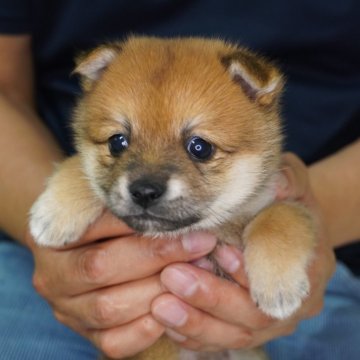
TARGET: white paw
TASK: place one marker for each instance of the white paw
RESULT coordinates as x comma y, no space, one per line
277,294
55,223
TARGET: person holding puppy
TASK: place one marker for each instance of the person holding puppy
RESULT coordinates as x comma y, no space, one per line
94,287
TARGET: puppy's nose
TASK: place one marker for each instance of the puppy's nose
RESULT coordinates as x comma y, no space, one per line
145,193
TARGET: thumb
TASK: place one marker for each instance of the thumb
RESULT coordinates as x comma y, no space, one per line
293,180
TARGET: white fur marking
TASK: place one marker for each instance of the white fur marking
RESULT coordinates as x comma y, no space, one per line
175,189
237,70
123,186
93,69
241,182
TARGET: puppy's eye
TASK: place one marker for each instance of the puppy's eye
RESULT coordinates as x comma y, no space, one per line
199,149
117,144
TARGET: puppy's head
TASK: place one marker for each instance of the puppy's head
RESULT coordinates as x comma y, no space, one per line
177,133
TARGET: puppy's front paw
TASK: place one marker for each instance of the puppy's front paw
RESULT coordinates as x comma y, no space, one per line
48,225
66,208
57,221
278,293
278,247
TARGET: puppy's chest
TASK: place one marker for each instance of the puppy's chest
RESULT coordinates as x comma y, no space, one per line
231,233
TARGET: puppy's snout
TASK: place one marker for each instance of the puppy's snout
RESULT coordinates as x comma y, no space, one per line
145,193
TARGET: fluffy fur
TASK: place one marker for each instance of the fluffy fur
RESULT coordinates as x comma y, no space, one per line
159,93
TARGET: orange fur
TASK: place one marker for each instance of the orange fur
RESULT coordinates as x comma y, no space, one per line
160,92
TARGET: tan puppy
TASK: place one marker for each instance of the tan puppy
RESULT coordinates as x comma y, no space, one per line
176,135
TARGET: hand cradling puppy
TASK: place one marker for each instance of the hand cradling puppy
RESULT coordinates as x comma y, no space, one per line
181,135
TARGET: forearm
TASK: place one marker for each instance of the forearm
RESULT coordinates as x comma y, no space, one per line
335,181
27,156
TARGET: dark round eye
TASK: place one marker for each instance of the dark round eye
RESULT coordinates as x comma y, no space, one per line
117,144
199,148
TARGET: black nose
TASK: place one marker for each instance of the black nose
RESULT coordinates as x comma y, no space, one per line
145,193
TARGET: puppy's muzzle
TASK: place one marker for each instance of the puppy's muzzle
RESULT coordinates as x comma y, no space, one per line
146,193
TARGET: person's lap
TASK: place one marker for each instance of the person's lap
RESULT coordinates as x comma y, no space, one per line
332,335
28,329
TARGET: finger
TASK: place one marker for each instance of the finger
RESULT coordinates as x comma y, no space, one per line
193,324
204,263
70,322
127,340
221,298
279,329
113,306
293,182
320,271
115,261
231,260
107,226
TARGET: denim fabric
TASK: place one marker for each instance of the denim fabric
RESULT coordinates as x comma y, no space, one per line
28,330
332,335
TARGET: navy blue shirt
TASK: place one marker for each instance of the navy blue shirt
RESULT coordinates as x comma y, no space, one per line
316,43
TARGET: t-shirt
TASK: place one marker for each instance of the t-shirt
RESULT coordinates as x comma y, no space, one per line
316,44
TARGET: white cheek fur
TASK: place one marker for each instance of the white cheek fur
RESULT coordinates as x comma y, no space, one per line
240,183
175,189
122,187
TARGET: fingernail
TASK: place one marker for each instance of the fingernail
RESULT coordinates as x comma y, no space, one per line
198,242
171,313
175,336
179,282
227,259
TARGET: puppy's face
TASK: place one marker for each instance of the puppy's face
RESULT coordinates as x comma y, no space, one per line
177,133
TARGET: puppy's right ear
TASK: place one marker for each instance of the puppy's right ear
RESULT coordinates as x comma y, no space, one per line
90,66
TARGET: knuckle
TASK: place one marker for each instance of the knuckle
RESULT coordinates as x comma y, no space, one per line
262,322
92,265
243,340
163,249
39,283
213,300
109,346
146,331
59,317
196,328
149,328
102,310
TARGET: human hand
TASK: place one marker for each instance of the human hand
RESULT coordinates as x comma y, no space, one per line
102,287
204,312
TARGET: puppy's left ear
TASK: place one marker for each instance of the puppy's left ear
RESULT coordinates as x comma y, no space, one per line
90,66
260,80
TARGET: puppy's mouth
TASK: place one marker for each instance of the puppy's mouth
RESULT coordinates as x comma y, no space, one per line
148,223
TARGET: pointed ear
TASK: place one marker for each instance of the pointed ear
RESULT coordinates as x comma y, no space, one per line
260,80
91,65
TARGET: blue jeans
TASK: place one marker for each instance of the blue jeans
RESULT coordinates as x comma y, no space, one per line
28,330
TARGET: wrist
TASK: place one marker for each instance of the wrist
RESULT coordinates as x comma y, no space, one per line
334,182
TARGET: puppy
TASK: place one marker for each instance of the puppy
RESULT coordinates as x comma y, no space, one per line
178,135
